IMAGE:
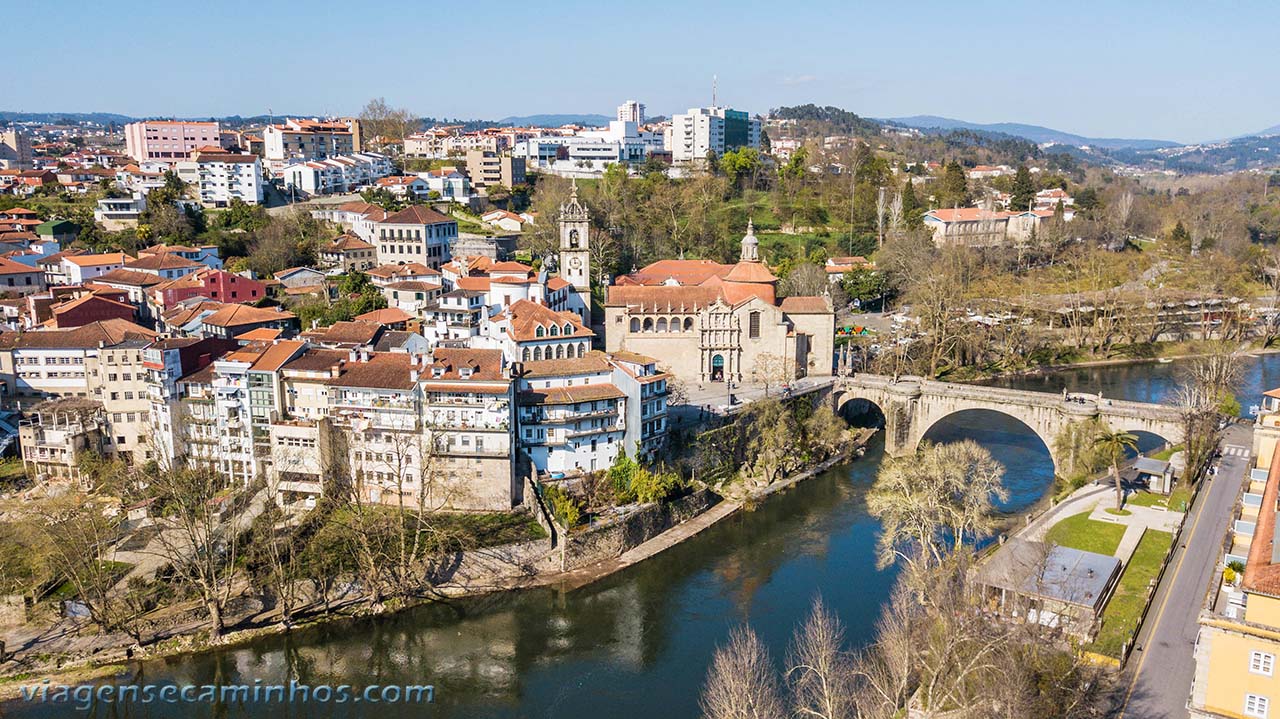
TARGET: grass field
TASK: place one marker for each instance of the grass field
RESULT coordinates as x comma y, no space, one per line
1176,501
1088,535
1124,611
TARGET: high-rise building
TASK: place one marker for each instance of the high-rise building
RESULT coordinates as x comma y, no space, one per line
711,130
631,111
15,150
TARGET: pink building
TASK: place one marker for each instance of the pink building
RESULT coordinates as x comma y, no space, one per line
169,140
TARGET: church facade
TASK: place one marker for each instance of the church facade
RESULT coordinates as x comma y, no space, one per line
708,322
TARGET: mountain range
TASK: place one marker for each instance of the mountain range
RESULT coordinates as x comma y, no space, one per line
1034,133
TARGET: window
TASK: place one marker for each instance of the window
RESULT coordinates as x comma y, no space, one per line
1262,663
753,325
1256,706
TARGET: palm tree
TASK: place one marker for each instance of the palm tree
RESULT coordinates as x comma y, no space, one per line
1112,447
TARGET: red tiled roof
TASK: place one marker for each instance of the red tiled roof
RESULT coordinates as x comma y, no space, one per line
526,317
806,306
416,215
388,316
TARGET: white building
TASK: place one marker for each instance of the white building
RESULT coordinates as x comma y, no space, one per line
347,173
631,111
220,177
710,130
415,234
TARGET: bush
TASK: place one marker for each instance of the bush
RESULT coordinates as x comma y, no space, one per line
1236,566
563,506
1228,575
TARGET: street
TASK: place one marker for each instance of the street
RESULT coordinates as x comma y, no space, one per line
1157,681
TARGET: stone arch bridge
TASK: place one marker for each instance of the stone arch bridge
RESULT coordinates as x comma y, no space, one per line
911,405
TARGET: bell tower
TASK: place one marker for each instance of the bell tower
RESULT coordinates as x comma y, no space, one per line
575,253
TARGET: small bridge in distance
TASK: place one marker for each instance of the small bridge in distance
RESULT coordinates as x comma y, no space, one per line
911,405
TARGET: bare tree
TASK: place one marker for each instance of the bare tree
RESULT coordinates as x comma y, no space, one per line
742,683
820,669
881,207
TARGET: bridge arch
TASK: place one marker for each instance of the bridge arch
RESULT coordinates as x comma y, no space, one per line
977,421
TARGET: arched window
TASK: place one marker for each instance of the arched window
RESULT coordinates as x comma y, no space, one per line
648,324
635,324
538,332
582,349
753,325
537,353
688,324
559,351
675,324
662,324
555,330
568,328
526,354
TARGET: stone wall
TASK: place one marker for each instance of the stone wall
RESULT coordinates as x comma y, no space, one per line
610,539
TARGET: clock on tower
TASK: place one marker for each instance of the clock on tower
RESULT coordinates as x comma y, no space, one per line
575,252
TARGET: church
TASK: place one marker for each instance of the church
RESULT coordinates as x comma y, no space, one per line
711,322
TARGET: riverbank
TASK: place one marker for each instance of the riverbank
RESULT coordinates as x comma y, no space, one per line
122,657
1048,369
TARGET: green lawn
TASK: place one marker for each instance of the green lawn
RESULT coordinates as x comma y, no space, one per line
1088,535
1175,501
1166,454
1121,616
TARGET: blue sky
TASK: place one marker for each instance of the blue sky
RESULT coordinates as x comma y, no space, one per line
1186,71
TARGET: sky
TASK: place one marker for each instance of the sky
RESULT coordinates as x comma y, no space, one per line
1173,70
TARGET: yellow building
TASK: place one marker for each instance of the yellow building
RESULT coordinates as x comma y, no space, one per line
1239,637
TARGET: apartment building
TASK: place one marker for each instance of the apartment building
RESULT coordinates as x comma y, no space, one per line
416,234
631,111
15,150
169,141
78,269
57,434
489,168
1239,635
579,414
346,173
705,131
220,177
301,140
166,362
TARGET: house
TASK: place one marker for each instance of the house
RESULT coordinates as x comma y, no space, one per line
300,277
411,296
207,255
1154,474
233,320
90,308
79,269
19,279
415,234
1051,585
121,211
63,232
390,317
348,253
503,220
448,183
408,186
217,285
166,266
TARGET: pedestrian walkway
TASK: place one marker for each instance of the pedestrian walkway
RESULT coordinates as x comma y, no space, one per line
1129,542
1235,450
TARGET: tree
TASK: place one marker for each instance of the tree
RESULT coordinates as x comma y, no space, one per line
741,683
805,279
820,668
1023,193
1179,238
772,434
943,493
290,240
864,286
1112,446
911,215
385,125
953,189
202,517
771,370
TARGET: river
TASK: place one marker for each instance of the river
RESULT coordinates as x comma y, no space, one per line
638,643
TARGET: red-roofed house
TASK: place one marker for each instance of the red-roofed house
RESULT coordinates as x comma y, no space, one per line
415,234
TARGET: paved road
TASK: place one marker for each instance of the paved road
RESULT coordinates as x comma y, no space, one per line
1159,675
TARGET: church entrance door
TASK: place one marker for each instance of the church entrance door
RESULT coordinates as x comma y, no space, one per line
717,368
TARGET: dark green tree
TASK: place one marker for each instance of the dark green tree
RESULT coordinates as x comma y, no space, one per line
953,189
1179,238
1024,190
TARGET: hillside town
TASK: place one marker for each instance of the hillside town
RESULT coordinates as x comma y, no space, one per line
257,373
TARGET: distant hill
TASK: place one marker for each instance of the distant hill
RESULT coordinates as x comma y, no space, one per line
100,118
828,118
1034,133
556,120
1269,132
